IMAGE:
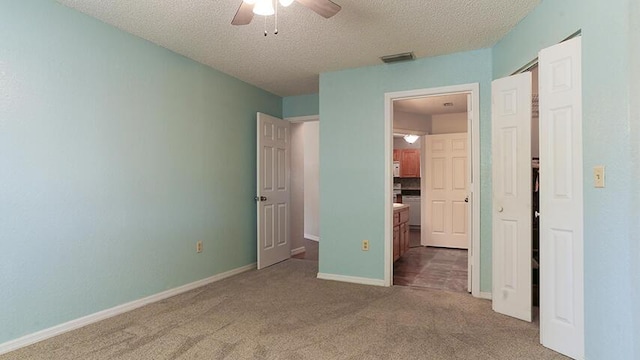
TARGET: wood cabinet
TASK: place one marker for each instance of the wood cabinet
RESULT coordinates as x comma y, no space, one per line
409,163
396,243
404,238
400,232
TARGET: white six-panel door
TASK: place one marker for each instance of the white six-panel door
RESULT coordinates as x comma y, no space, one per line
511,157
447,188
273,190
561,204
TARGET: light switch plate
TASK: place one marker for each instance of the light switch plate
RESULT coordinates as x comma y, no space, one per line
598,176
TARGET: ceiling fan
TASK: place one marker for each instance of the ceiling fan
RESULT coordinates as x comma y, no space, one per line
248,8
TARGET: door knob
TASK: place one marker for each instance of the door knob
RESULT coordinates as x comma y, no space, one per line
500,209
260,198
466,199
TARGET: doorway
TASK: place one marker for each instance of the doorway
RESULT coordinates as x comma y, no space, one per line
473,150
430,154
304,227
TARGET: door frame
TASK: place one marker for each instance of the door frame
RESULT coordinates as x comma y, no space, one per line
474,145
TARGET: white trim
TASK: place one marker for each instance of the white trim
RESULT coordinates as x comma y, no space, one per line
475,190
117,310
303,118
474,90
486,295
312,237
299,250
402,132
351,279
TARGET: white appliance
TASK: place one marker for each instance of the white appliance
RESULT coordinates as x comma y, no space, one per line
414,209
396,169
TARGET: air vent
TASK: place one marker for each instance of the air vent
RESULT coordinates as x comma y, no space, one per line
388,59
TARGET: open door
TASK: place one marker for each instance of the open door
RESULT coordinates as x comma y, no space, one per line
273,190
511,157
561,199
447,188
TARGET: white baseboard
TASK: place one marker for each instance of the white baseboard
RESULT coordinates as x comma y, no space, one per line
297,251
312,237
117,310
351,279
485,295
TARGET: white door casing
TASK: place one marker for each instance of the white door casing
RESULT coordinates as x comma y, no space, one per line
470,199
447,184
273,190
561,199
511,176
474,145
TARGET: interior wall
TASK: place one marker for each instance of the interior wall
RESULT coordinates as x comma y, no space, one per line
400,143
352,152
612,314
311,180
449,123
297,185
409,121
634,113
122,155
301,105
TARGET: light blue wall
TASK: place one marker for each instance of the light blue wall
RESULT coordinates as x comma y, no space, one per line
634,100
116,156
611,231
352,155
301,105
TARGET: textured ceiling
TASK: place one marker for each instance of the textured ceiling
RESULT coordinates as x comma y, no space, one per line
307,44
433,105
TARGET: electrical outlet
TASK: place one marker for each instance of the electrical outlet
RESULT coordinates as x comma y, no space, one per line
199,246
365,245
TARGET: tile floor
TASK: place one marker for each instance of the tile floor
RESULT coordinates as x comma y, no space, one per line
430,267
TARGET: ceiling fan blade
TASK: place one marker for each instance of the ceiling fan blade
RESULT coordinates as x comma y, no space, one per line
325,8
244,15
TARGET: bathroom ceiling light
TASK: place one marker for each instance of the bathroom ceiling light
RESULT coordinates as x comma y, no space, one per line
410,138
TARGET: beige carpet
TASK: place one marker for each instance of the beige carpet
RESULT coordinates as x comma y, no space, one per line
284,312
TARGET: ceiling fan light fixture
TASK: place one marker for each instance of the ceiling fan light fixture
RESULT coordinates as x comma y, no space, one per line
411,138
264,8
